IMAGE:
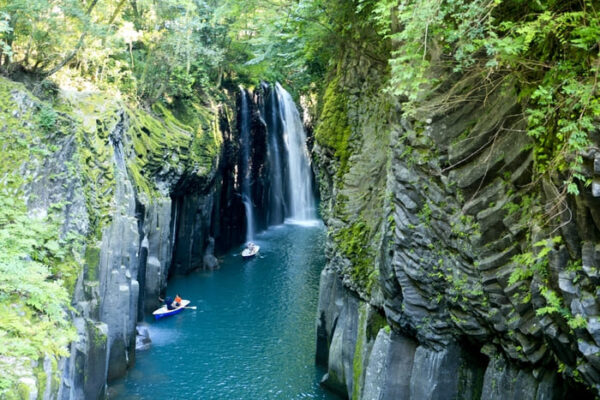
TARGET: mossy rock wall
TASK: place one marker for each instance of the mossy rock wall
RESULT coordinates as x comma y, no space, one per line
352,137
89,177
437,219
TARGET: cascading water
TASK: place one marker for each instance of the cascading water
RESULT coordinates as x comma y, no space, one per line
277,199
245,164
302,202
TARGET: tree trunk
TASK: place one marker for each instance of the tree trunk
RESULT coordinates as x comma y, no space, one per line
74,52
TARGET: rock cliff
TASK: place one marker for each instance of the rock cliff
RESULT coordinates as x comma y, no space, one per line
453,272
137,194
130,188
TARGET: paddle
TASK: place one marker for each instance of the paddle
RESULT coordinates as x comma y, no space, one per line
190,307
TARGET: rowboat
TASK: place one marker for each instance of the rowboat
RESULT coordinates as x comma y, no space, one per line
165,312
251,250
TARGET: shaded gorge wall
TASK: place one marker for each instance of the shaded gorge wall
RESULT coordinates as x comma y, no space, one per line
423,296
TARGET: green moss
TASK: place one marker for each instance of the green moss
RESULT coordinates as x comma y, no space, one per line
98,337
375,323
92,262
162,140
354,241
94,116
38,268
333,131
23,391
41,378
358,361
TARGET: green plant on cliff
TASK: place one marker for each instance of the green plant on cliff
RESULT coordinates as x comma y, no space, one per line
33,318
550,46
535,263
47,118
530,262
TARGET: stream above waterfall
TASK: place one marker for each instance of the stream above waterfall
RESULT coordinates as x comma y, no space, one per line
253,334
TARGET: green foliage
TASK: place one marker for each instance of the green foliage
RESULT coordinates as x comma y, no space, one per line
33,302
425,214
47,118
550,46
36,33
180,49
533,262
5,30
177,49
536,263
281,40
554,304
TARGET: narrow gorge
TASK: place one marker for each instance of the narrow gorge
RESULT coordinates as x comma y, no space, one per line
435,163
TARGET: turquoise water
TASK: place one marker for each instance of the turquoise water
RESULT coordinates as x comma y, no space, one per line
253,334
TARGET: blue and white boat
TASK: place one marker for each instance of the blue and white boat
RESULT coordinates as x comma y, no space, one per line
165,312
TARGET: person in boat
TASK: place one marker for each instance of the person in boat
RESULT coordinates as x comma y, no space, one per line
177,300
169,302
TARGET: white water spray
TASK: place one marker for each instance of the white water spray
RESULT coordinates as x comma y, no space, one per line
302,202
245,167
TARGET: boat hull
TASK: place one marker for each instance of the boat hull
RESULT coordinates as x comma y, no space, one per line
250,253
164,312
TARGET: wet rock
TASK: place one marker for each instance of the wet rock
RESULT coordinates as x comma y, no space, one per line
142,338
550,387
192,227
569,290
596,188
84,372
159,243
331,300
458,180
499,380
435,373
339,375
593,327
389,367
209,260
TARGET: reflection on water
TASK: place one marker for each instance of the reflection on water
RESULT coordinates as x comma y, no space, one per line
253,334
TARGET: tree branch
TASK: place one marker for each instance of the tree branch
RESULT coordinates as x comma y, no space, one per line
73,52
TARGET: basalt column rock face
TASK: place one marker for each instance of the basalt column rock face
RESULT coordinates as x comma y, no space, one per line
228,228
156,250
117,273
128,188
192,230
438,226
53,182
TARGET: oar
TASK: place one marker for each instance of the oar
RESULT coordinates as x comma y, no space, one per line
190,307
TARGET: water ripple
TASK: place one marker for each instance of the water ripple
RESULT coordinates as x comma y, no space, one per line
253,335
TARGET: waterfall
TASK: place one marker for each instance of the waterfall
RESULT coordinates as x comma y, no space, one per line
302,202
277,198
245,164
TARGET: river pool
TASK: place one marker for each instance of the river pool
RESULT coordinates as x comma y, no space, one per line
253,334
